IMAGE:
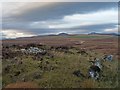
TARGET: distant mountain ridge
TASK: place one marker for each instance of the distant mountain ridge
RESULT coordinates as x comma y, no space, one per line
63,34
95,33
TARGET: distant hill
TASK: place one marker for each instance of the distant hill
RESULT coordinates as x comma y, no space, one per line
63,34
95,33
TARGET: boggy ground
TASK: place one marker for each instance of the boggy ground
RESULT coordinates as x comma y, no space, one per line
55,68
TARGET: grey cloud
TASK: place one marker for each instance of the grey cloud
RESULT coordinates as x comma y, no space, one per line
15,25
61,9
98,27
91,28
25,27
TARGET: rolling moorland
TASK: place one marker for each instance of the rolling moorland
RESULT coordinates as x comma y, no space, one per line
57,60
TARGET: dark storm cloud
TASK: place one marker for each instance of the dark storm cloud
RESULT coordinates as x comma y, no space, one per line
58,10
15,25
97,27
43,31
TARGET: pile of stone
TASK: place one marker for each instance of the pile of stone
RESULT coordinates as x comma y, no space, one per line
33,50
96,67
108,57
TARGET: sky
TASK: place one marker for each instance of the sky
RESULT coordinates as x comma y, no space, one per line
26,19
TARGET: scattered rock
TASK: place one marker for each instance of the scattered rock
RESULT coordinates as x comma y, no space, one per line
108,57
94,72
17,73
7,69
78,73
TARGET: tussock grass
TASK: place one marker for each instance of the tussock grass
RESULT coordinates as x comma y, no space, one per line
57,72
